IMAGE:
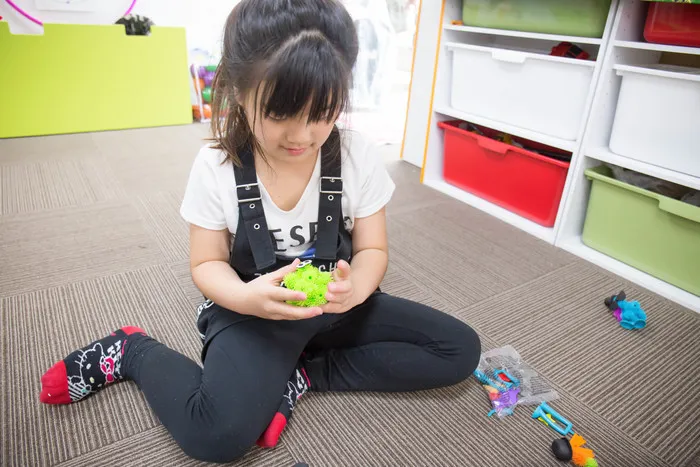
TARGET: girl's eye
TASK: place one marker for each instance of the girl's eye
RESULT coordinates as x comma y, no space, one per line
275,118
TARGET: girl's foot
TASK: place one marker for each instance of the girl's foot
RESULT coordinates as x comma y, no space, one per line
86,370
297,385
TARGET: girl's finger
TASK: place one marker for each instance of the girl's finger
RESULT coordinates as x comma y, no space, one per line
280,294
342,271
331,308
339,287
279,274
337,298
291,312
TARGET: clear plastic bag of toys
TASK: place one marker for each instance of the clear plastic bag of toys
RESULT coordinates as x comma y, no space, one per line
509,381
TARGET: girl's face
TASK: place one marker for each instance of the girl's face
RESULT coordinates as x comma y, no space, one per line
291,139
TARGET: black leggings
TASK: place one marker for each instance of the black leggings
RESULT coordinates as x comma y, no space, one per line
217,413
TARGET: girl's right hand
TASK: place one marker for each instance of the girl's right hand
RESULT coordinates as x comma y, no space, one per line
265,298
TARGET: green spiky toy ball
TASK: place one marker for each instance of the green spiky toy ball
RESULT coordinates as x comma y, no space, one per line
310,280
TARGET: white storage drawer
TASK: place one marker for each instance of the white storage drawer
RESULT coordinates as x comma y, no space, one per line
538,92
658,117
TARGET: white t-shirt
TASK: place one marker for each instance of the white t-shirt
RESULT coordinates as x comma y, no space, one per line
211,202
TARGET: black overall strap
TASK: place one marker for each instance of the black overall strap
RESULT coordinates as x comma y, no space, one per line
250,209
330,211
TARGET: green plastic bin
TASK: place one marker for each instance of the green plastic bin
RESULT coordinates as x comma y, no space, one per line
584,18
651,232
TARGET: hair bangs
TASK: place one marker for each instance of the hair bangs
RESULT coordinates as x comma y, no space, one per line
305,78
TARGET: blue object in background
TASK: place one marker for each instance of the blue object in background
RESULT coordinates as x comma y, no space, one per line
632,316
550,417
629,314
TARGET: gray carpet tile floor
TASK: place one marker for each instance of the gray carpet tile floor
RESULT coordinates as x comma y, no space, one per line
91,240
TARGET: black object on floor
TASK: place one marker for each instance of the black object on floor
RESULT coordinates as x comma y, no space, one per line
562,449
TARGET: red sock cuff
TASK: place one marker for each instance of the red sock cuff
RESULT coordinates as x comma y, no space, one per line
271,436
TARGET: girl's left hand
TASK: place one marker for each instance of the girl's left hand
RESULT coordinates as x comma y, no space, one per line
341,295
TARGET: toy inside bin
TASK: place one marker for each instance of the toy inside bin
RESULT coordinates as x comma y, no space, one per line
202,78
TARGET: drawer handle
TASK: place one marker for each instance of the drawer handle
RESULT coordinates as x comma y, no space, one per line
680,209
493,146
510,56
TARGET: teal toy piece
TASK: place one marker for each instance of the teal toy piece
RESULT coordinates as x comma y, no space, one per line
550,417
632,316
484,379
629,314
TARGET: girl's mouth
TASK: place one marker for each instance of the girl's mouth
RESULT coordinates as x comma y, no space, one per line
295,151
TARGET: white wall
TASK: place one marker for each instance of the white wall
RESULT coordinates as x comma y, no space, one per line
203,20
422,83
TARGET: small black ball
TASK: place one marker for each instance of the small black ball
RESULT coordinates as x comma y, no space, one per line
562,449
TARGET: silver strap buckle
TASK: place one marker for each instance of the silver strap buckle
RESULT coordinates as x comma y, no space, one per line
330,192
247,186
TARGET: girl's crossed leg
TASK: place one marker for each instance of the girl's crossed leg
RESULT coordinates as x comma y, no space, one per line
217,413
391,344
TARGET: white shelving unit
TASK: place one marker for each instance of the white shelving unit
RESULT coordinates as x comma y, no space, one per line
627,47
621,43
442,110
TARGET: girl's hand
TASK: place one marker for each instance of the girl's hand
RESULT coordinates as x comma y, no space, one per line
263,297
341,294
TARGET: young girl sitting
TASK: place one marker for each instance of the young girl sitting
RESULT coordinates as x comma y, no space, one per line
279,184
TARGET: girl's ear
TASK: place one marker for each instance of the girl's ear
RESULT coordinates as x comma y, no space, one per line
240,100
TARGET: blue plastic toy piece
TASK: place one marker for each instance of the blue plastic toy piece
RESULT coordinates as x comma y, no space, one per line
632,316
504,412
550,417
629,314
484,379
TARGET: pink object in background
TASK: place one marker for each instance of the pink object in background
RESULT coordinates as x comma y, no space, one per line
37,21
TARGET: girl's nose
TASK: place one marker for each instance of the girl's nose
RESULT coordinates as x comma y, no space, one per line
299,132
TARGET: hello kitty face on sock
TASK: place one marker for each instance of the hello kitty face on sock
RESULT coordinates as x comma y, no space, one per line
82,383
97,367
78,387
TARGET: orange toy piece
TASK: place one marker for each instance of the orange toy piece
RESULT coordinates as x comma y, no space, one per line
580,455
197,114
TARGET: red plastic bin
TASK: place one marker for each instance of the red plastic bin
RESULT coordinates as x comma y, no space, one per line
522,181
673,23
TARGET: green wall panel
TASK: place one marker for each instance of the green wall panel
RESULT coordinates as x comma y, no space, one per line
78,78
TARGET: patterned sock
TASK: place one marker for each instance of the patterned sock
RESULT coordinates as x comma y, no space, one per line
86,370
297,385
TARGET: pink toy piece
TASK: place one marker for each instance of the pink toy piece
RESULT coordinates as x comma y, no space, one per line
618,315
23,13
37,21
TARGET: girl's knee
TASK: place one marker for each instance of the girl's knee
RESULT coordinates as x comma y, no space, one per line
218,444
466,350
471,350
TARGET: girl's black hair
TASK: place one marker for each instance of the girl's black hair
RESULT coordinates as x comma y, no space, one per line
293,55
